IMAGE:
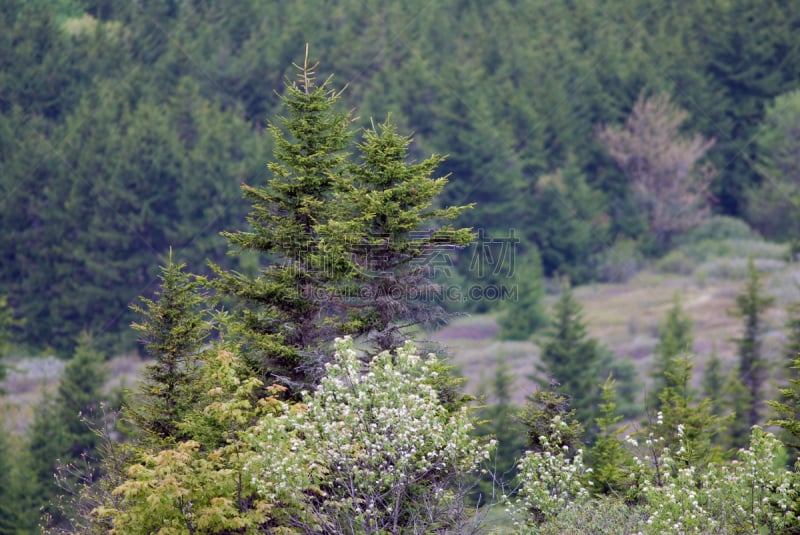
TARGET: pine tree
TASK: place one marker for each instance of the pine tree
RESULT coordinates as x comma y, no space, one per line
750,306
524,316
174,328
49,448
674,340
714,383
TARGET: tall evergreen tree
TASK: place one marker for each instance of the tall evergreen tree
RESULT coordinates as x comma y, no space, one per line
284,316
751,305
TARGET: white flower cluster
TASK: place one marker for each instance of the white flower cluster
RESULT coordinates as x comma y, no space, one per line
551,481
364,446
751,494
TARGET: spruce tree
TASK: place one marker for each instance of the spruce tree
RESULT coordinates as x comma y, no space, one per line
674,340
173,329
49,448
714,383
80,396
524,316
689,424
498,420
283,313
611,463
787,408
572,360
751,305
387,229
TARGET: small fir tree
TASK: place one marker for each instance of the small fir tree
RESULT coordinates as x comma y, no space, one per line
174,329
611,463
498,421
689,426
573,360
751,305
674,339
714,383
787,408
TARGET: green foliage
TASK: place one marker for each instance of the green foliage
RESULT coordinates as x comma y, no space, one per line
282,317
675,340
610,462
497,420
386,225
174,329
750,307
773,206
752,495
573,361
787,408
541,411
688,425
523,317
197,485
718,228
552,476
568,222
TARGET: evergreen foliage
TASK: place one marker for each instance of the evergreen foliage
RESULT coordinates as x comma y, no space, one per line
611,463
285,317
174,329
675,340
572,360
751,305
526,315
787,408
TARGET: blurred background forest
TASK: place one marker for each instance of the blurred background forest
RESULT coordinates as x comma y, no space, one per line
127,129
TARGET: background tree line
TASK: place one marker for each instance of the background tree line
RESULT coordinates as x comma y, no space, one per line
120,122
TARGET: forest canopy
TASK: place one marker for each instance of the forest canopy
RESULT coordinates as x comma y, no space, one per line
127,128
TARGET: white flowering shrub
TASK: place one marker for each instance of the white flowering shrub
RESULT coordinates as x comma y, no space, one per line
751,494
370,451
551,481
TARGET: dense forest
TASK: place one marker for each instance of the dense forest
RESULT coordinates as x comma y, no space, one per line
248,184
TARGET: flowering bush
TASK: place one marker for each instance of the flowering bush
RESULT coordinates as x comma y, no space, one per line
551,480
370,451
750,494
